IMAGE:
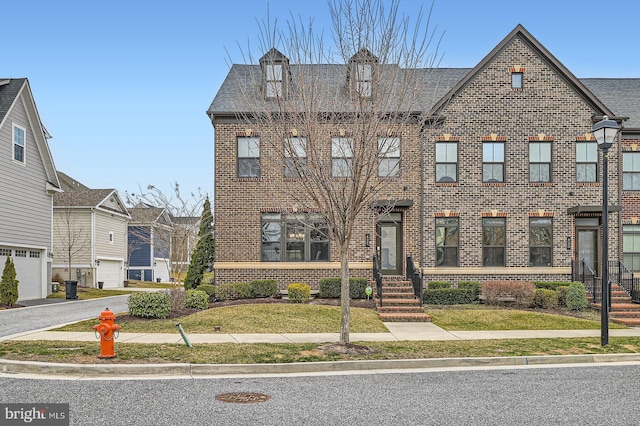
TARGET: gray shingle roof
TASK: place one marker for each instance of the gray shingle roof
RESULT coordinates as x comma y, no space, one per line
8,93
622,95
81,197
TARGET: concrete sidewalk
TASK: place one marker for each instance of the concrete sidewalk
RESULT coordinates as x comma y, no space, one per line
398,331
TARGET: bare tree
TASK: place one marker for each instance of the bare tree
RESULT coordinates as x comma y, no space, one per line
73,239
384,59
178,237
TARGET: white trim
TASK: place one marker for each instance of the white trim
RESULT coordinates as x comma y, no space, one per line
13,144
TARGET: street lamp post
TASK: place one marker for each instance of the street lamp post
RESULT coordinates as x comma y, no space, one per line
605,133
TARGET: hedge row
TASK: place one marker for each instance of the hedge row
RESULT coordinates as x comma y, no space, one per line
253,289
330,288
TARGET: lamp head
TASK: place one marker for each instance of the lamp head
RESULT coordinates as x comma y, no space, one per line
605,132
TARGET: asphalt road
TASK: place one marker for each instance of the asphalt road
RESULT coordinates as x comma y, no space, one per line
19,320
584,395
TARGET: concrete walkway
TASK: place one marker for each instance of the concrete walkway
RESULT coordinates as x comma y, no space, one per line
397,331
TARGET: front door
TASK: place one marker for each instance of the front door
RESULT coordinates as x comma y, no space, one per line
587,249
389,243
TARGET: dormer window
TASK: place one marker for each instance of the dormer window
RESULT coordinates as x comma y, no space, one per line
361,73
275,74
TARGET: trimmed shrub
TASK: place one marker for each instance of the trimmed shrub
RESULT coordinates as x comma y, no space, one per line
234,291
264,288
551,285
434,285
562,295
197,299
9,284
545,298
472,285
449,296
500,291
299,292
577,297
330,288
209,289
149,305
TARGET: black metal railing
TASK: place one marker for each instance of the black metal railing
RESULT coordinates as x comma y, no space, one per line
415,276
620,274
377,277
587,276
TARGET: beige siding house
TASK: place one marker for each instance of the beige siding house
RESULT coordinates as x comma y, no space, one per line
28,181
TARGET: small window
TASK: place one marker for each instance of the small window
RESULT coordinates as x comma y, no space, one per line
5,252
540,162
341,157
586,161
446,162
248,157
295,153
493,241
516,80
273,77
540,241
493,162
18,144
110,237
631,171
34,254
447,241
364,77
388,157
21,253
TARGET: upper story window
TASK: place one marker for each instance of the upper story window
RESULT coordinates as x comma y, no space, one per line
19,143
494,241
275,74
516,80
361,72
295,153
586,161
631,171
447,241
248,157
341,157
111,237
493,161
388,157
446,161
540,162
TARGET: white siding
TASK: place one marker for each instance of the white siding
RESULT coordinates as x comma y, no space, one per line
106,223
82,239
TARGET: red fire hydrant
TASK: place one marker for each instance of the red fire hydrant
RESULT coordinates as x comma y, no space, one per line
107,330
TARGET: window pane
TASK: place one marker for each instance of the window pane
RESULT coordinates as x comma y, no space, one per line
586,172
493,256
295,147
492,173
341,167
18,136
389,167
389,147
587,152
342,147
493,152
248,147
446,152
274,72
540,256
446,172
363,72
248,168
516,80
274,89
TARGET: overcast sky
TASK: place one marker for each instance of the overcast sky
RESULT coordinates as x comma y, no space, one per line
123,85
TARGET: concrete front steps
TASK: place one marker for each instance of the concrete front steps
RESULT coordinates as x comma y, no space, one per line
399,303
623,311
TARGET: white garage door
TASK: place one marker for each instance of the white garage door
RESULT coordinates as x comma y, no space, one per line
110,272
28,273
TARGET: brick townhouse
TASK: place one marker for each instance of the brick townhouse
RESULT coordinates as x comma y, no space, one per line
500,178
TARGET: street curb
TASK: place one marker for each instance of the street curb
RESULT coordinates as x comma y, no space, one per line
203,370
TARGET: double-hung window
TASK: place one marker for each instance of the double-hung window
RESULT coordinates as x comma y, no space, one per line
341,157
446,161
631,171
586,161
540,162
295,153
493,241
447,241
540,241
364,79
388,157
631,246
273,77
18,144
248,157
294,238
493,162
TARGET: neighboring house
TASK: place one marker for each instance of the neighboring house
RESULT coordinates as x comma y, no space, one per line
149,244
28,181
506,185
90,235
183,242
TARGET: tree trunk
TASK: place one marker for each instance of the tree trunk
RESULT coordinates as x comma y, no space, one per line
344,296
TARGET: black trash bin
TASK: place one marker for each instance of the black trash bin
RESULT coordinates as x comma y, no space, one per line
72,289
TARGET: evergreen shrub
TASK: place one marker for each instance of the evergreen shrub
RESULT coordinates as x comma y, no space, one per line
299,292
197,299
577,297
149,305
545,298
264,288
449,296
330,288
209,289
